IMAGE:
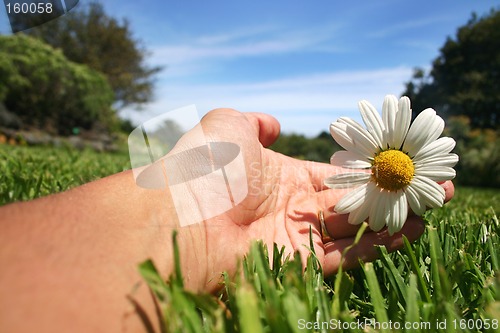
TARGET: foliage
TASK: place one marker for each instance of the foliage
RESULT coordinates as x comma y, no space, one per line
465,77
6,71
46,90
479,151
319,149
87,35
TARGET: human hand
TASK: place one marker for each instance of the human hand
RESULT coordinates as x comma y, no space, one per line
282,205
95,235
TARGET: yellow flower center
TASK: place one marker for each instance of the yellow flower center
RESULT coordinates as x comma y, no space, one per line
392,169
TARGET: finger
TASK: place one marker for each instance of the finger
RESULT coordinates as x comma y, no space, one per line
449,190
365,250
224,124
337,225
267,127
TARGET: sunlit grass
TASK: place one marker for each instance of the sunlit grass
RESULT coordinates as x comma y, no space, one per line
28,172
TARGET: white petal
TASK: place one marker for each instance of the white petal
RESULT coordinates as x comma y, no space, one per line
389,110
352,122
351,200
350,160
338,131
448,160
398,212
403,119
426,128
360,137
429,191
417,205
378,211
436,173
361,213
373,122
439,147
347,180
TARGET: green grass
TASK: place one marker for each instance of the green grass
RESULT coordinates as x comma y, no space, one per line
27,173
447,281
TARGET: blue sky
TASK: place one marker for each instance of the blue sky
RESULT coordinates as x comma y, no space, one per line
305,62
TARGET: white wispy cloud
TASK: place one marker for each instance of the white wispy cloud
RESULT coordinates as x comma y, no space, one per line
196,52
304,104
398,28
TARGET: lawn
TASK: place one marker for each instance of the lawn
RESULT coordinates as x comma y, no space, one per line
447,281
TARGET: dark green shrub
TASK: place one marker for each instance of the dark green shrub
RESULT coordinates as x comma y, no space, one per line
318,149
48,91
479,151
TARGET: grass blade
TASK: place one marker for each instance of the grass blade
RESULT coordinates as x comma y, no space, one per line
248,310
422,286
376,296
412,308
153,279
395,278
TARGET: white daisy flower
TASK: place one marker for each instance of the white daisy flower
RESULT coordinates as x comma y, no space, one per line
397,164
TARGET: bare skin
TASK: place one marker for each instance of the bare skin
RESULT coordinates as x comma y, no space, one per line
69,261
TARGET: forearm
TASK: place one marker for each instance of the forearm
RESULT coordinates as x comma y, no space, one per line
69,261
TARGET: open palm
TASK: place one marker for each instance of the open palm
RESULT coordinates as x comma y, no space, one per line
282,205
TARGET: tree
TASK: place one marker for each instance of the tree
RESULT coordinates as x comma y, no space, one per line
465,77
87,35
319,149
46,90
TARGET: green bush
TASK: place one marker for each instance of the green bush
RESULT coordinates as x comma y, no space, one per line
479,152
318,149
48,91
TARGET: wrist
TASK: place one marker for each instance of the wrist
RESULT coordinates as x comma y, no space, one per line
154,212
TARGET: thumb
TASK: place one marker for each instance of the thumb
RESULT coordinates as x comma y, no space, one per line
266,126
